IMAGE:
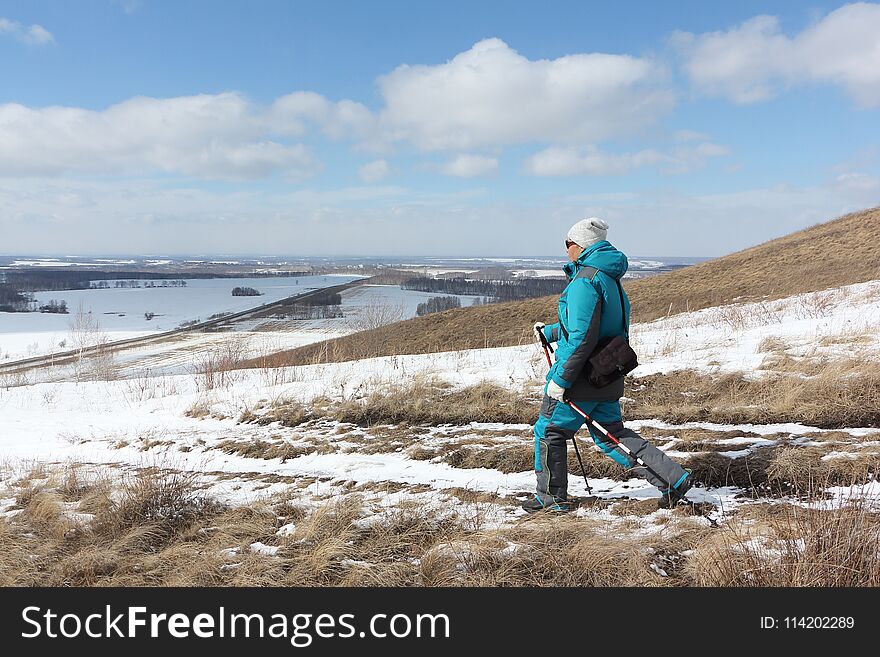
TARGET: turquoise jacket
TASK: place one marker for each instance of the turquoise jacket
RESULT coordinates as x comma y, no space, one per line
589,310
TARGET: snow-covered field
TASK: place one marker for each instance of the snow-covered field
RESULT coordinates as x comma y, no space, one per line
842,322
145,418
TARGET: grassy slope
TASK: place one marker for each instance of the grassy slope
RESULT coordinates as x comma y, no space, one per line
835,253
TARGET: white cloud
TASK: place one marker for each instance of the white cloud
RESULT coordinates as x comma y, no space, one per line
37,35
491,96
374,171
590,161
212,136
220,136
34,35
345,119
754,61
129,6
488,96
690,158
690,135
470,166
557,161
859,182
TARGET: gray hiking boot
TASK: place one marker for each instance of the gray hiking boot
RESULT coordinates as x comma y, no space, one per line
672,496
557,505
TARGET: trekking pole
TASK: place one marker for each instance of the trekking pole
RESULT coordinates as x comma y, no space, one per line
547,351
583,471
626,449
547,348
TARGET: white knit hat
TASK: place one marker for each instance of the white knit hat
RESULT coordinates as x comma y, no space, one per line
588,231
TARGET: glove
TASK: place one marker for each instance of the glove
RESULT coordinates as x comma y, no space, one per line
538,328
554,390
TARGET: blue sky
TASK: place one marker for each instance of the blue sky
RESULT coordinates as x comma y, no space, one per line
453,128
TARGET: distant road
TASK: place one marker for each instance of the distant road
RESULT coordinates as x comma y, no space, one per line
64,357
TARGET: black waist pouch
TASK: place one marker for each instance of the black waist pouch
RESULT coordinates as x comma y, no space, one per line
612,359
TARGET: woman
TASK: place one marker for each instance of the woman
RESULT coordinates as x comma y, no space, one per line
592,306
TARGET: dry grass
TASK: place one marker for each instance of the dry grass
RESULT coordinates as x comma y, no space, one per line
748,472
770,344
547,552
836,253
808,469
504,459
162,532
261,449
287,412
158,530
795,546
397,417
421,401
822,394
165,501
198,409
216,367
787,469
847,339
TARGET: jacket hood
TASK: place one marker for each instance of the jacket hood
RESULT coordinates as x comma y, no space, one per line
604,257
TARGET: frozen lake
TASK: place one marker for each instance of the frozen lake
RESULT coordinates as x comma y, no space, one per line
119,312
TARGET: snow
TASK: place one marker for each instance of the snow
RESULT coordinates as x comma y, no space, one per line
539,273
645,264
840,495
64,421
265,550
286,530
728,338
140,420
745,440
657,569
852,456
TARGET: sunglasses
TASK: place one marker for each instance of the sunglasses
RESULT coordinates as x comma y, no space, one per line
568,244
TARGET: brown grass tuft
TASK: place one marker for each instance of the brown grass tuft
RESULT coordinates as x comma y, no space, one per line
828,394
45,513
796,546
164,503
430,402
807,469
261,449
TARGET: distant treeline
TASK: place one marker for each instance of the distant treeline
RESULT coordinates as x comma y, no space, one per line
325,299
54,306
245,292
102,285
308,311
323,305
13,301
42,280
437,304
38,280
512,290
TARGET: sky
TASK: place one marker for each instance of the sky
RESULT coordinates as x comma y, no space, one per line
450,128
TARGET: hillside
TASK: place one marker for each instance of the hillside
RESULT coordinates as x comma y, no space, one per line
839,252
